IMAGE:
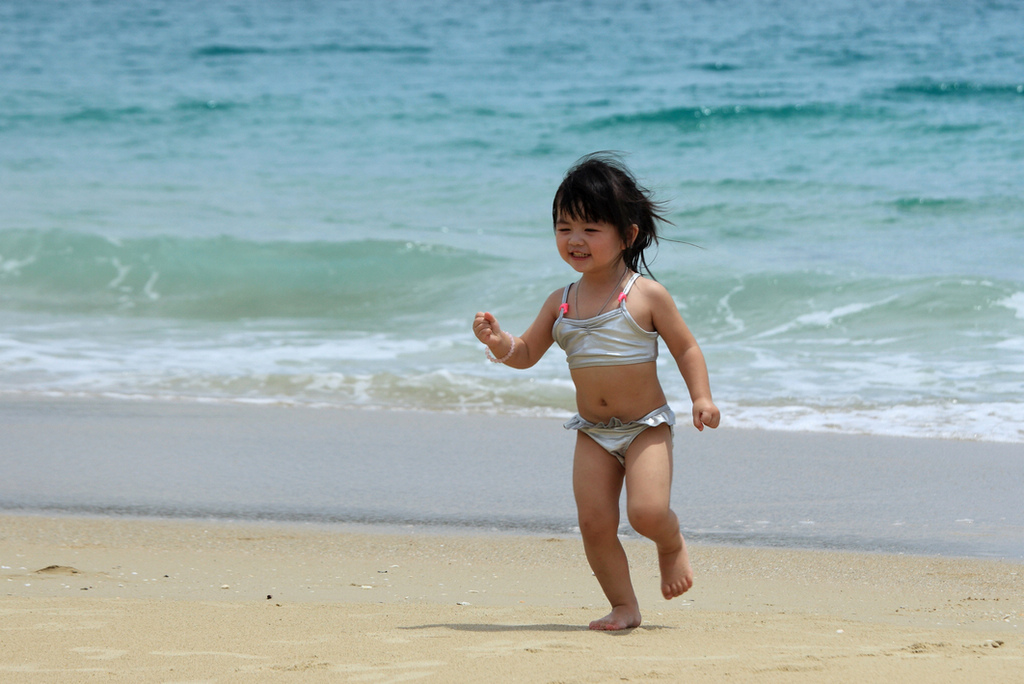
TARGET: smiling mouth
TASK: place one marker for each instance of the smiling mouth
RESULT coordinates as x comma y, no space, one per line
578,255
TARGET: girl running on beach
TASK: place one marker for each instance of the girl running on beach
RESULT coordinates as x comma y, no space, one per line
608,323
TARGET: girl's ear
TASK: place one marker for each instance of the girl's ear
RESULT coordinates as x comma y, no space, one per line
634,230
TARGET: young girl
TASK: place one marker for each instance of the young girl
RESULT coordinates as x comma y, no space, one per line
608,323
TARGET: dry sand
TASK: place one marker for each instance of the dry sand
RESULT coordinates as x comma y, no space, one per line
100,599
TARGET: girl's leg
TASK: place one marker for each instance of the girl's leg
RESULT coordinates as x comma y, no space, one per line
648,491
597,482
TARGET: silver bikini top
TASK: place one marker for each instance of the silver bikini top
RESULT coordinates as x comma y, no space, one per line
609,339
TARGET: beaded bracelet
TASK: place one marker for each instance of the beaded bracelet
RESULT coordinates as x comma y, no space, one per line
506,357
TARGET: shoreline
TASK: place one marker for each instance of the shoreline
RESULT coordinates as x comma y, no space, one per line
457,531
153,601
796,426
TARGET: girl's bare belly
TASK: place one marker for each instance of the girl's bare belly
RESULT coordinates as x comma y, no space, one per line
623,392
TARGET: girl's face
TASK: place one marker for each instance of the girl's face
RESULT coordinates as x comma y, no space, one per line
588,246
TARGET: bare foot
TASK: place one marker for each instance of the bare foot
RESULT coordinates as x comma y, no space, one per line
621,617
676,574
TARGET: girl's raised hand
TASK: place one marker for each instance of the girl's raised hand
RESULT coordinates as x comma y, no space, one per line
487,330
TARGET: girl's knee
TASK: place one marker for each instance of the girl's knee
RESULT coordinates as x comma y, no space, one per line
594,526
649,520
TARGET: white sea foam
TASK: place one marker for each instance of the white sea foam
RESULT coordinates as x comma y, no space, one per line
12,266
1014,302
895,394
998,422
823,319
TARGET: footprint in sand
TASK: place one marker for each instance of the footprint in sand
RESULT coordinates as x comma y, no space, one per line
57,570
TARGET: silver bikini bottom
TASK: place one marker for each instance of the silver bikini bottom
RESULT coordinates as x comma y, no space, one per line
616,436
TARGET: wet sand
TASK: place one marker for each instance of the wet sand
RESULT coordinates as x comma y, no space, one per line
500,472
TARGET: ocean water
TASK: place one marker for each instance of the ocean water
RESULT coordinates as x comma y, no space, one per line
307,202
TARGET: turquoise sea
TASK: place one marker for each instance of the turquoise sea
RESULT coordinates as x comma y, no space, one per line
306,202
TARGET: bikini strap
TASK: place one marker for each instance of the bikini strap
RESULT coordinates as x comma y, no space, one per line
564,308
625,290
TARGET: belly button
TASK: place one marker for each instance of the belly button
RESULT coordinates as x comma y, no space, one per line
604,403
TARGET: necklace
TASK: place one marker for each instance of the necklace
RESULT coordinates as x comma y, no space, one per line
618,283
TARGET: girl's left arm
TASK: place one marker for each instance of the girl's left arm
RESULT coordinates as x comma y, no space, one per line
684,349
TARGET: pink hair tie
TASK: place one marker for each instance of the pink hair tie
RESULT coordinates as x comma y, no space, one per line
564,308
622,296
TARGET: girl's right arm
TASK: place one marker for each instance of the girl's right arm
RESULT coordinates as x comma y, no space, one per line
530,347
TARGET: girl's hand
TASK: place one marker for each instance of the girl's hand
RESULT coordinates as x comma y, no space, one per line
487,330
705,414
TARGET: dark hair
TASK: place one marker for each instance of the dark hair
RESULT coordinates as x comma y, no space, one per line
599,188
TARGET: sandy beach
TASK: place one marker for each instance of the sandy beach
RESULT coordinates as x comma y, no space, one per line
107,599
